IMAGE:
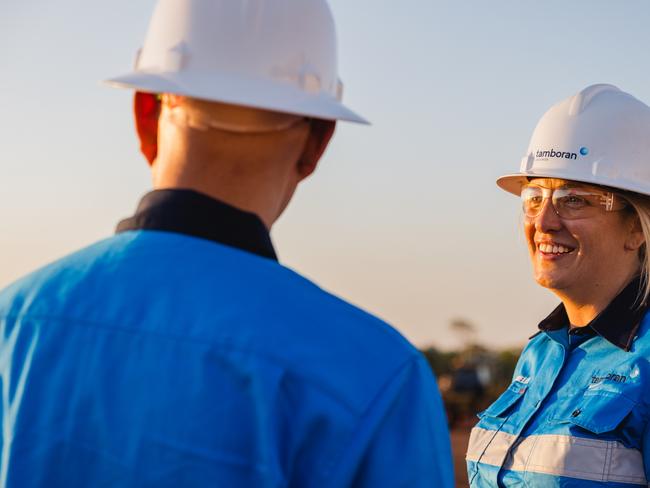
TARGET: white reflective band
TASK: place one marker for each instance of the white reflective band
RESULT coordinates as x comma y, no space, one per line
559,455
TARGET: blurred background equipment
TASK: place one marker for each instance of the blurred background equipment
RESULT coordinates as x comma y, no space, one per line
470,378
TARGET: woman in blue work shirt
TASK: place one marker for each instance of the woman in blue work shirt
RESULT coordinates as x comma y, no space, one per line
577,411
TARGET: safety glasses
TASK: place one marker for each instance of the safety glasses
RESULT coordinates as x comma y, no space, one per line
570,202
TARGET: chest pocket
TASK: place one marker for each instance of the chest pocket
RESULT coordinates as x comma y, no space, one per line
503,405
596,411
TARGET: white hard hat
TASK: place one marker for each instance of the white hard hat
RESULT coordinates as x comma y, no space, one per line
600,136
277,55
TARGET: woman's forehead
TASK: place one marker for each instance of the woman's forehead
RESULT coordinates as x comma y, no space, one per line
560,183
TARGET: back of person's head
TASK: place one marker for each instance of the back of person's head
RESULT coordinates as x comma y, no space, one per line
247,86
231,134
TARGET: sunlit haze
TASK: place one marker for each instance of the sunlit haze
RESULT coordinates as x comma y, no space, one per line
402,218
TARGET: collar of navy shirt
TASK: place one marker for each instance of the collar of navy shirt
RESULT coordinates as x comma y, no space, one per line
198,215
618,323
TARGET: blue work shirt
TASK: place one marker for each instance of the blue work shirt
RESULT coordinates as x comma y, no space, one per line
576,413
161,359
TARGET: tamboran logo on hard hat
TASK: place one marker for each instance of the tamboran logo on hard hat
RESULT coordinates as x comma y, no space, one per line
552,153
605,132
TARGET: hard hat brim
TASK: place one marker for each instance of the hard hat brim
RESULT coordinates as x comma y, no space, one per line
513,182
279,97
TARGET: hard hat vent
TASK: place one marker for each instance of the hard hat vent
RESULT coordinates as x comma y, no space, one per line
527,163
310,83
339,90
177,58
136,60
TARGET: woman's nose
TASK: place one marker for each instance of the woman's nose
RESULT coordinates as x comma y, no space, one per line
548,219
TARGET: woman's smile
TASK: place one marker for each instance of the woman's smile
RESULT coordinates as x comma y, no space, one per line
553,250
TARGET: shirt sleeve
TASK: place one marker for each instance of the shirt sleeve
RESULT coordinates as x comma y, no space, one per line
403,439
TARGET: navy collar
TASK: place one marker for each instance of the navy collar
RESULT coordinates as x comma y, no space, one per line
198,215
618,322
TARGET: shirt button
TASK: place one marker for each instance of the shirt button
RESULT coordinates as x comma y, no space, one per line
576,413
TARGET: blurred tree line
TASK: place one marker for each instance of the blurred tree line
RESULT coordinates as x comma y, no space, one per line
473,376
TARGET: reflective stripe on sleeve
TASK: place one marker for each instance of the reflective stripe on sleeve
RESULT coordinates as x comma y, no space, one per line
559,455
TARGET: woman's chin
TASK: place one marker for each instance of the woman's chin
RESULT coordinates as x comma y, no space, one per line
550,281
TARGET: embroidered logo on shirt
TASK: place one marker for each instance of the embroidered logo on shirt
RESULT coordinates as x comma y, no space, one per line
523,379
616,378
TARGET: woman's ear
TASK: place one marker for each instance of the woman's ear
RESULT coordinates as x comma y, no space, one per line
635,238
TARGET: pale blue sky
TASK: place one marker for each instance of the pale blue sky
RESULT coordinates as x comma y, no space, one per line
403,218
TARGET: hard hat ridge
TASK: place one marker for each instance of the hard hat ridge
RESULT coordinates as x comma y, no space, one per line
583,98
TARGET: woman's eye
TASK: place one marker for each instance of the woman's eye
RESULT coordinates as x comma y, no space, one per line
573,201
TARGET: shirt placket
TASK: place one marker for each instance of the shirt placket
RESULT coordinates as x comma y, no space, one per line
539,389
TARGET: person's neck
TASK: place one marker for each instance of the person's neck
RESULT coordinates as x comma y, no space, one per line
250,196
257,185
584,304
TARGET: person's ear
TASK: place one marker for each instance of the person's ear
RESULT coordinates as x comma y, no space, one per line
320,134
635,238
146,107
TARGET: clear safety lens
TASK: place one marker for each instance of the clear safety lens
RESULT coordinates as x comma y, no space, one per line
568,202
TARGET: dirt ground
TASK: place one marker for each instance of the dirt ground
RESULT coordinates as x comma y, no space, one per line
459,439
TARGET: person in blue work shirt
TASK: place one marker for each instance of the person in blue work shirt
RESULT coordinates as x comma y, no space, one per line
577,412
179,352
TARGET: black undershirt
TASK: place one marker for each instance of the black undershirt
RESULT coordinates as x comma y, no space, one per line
618,322
196,214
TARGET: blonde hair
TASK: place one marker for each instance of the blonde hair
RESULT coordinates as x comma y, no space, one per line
641,206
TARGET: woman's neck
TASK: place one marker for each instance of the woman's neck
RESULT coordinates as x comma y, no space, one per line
584,305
